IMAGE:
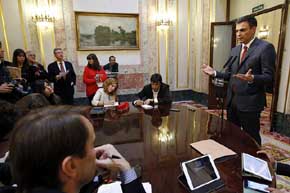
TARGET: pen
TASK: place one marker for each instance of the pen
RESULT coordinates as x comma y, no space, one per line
114,157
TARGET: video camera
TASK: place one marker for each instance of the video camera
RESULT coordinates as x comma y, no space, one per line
19,87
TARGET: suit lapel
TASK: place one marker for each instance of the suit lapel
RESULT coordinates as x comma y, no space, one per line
248,54
57,68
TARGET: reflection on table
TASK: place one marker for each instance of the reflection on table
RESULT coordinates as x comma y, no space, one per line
158,139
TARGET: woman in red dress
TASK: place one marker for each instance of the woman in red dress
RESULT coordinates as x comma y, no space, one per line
92,72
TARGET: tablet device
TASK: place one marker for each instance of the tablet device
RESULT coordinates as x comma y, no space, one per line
256,186
200,172
256,166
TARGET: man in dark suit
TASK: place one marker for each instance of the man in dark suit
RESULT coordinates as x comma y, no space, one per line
112,66
62,74
2,61
251,69
156,92
62,157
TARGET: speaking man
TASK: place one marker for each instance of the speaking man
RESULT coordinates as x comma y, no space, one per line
250,72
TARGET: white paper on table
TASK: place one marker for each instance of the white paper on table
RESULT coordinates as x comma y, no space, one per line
115,187
213,148
114,105
147,107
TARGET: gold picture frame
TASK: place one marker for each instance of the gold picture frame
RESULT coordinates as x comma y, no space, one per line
107,31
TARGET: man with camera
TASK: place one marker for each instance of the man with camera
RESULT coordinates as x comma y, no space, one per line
6,88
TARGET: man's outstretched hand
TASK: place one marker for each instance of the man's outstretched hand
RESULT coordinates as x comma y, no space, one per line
207,69
245,77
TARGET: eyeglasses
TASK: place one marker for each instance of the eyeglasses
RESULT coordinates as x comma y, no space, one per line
89,58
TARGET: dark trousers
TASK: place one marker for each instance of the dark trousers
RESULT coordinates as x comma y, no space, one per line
250,121
90,98
66,98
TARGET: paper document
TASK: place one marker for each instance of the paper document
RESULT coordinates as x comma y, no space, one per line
213,148
115,187
114,105
147,107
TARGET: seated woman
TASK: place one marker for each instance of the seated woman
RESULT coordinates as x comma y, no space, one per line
43,96
43,87
106,95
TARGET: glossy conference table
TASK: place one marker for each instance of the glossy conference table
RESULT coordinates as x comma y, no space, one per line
159,140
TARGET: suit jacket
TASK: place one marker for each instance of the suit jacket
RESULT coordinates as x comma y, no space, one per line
62,87
260,57
6,63
163,94
114,67
283,169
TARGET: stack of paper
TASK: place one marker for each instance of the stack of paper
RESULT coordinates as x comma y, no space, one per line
213,148
116,188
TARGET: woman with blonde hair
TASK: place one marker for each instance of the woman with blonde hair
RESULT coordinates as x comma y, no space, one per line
106,95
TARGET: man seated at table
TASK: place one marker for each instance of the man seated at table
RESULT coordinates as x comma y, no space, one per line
280,169
52,150
112,66
156,92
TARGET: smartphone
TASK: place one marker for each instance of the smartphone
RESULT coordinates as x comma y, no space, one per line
256,186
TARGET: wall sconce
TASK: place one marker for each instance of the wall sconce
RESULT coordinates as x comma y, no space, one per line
43,15
263,32
163,21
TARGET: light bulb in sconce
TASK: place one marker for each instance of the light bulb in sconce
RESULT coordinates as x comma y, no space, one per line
263,32
163,20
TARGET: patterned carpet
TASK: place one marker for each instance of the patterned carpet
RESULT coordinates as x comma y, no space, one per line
274,143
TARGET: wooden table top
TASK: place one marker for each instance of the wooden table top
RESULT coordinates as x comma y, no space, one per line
159,139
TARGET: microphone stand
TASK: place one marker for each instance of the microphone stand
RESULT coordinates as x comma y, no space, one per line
219,84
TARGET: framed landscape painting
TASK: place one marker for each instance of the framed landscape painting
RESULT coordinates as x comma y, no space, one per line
107,31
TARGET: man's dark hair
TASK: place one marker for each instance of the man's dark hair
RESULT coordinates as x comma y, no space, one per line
111,57
40,142
156,78
56,49
250,19
8,117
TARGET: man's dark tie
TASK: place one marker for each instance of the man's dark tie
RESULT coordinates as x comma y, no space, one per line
61,67
244,52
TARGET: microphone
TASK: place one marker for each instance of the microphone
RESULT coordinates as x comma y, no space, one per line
229,62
